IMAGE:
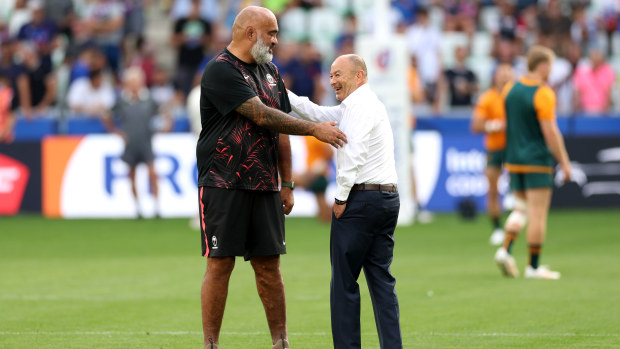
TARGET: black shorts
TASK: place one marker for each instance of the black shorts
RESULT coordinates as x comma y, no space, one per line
134,155
246,223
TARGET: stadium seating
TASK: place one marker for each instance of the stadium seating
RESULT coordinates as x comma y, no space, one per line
35,129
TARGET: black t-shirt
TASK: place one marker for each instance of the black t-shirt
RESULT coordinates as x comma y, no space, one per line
460,83
38,81
192,50
13,72
233,152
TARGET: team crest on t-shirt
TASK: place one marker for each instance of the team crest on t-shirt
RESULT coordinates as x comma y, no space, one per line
271,80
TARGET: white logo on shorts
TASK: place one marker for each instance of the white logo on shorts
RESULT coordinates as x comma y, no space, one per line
214,242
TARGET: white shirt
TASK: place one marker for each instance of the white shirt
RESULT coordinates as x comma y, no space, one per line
424,43
368,157
83,94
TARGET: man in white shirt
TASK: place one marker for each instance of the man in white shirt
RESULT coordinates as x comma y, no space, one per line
366,205
92,96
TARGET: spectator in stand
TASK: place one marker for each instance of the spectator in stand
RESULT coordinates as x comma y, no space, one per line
90,58
593,83
144,58
407,9
20,15
609,12
507,53
40,31
191,38
584,30
460,16
210,10
41,78
424,43
92,96
506,28
561,78
16,73
62,14
7,118
134,18
165,95
460,81
302,74
104,20
554,28
162,90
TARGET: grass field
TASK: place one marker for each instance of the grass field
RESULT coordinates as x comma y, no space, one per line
135,284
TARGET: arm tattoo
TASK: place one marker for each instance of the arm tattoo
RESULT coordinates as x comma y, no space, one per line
273,119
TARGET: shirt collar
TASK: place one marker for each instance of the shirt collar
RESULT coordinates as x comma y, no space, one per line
143,95
359,94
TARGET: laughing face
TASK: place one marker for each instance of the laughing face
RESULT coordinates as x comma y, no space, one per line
342,78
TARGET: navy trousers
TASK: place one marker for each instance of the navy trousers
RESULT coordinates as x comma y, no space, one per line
363,238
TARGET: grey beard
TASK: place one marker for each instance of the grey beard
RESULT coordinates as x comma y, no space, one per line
260,52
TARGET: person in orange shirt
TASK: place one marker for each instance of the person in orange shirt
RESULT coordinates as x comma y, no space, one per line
315,179
490,118
7,118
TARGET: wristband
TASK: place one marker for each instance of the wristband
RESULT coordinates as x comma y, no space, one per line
288,185
340,202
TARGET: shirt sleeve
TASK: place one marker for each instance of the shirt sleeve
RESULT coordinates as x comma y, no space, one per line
308,110
225,87
481,108
544,103
357,123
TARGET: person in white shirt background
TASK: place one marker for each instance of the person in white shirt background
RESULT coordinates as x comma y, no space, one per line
366,205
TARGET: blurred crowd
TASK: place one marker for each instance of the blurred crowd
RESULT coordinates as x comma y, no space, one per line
66,58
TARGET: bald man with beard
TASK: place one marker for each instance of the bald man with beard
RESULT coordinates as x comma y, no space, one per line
243,143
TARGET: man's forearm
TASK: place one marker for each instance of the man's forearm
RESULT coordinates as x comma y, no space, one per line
285,162
557,147
274,119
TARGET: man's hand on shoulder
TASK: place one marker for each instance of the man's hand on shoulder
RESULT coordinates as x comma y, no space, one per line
328,133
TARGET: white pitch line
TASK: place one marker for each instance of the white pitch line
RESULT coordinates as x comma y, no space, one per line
185,333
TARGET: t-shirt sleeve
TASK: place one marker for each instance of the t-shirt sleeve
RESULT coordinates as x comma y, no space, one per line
285,103
544,103
481,108
225,87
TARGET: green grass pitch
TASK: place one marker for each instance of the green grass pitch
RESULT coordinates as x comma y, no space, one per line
135,284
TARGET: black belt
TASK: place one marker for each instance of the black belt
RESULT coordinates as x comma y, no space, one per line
392,188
